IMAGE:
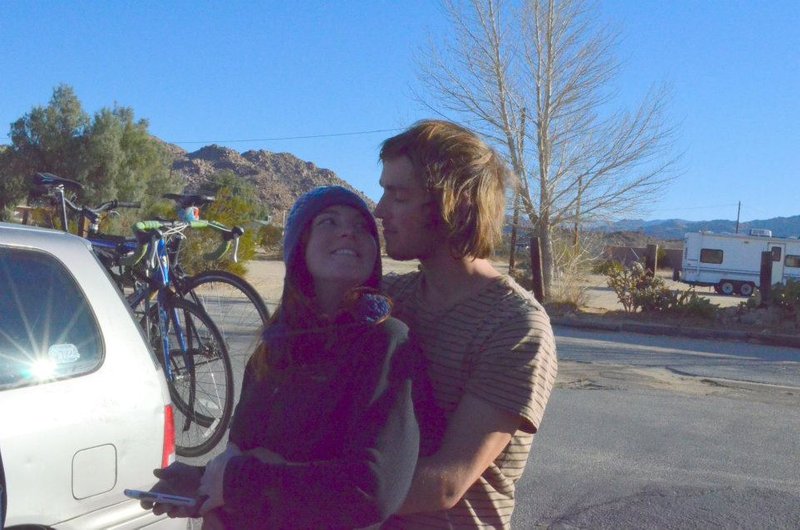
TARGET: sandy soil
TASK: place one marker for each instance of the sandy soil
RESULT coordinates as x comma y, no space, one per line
601,298
267,275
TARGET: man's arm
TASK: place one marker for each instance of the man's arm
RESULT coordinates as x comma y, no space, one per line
476,434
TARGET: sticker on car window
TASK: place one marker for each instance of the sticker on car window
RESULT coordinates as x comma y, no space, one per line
63,353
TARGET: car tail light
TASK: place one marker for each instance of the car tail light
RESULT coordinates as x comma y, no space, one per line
168,454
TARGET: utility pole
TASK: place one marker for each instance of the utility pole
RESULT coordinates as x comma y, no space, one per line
737,216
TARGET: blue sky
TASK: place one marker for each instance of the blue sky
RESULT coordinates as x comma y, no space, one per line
225,72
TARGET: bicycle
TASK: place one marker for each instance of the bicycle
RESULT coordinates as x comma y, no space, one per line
193,353
233,304
195,358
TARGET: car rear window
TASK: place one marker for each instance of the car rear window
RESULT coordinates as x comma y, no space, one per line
47,329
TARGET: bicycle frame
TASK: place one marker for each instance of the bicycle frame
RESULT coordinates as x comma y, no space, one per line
160,283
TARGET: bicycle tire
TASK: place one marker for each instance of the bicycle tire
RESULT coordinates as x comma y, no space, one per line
202,395
235,307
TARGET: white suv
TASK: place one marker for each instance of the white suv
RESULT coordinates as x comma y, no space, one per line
84,407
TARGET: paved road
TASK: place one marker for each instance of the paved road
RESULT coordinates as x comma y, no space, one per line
737,361
630,441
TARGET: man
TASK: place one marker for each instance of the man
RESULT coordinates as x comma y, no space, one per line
489,345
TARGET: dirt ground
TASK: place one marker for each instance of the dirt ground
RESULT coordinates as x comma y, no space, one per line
601,298
266,274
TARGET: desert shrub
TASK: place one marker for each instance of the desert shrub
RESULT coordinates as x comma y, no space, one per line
636,289
237,204
231,210
605,266
690,304
625,281
573,260
270,237
752,302
787,297
694,305
651,296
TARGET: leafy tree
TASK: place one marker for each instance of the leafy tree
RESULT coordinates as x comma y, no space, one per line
46,139
111,153
12,188
51,138
121,160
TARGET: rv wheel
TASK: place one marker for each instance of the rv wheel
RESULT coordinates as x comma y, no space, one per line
726,287
746,289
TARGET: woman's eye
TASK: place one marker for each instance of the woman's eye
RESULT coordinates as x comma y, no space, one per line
326,221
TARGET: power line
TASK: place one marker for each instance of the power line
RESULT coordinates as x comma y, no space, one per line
279,138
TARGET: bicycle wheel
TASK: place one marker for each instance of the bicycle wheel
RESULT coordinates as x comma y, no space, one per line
236,308
201,383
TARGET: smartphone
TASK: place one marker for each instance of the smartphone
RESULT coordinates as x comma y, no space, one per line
162,498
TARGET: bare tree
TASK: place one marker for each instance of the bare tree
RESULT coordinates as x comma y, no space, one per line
536,80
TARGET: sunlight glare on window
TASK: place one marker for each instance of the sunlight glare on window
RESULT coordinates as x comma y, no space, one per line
43,369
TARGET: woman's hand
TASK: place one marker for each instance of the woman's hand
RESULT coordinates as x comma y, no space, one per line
212,483
176,479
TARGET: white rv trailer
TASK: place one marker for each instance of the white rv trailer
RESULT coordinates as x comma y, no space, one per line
731,263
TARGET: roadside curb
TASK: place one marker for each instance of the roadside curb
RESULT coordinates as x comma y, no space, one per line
791,341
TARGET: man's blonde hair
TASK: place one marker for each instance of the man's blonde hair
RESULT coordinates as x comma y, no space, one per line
466,178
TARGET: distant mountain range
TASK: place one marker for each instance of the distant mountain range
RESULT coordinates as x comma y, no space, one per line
671,229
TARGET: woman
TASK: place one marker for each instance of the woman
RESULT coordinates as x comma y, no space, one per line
324,434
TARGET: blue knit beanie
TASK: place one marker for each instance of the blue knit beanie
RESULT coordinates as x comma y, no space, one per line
303,212
363,306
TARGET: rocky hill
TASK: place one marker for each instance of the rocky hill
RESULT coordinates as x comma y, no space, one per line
280,178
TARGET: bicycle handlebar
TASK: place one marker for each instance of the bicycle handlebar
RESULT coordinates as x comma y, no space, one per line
148,229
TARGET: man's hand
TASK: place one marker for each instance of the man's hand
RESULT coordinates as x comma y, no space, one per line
176,479
476,434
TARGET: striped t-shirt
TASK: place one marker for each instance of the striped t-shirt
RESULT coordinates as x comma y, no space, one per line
497,346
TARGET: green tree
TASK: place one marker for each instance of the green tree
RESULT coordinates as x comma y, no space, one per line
50,138
121,159
111,153
45,139
12,188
